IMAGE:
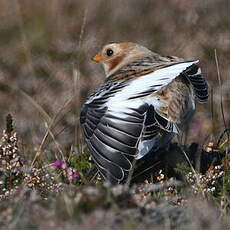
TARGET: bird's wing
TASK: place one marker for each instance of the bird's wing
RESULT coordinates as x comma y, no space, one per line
111,136
143,89
154,63
153,136
157,118
199,84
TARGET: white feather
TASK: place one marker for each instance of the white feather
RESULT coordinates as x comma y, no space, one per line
155,80
145,146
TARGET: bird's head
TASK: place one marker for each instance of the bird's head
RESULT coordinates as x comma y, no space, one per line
116,55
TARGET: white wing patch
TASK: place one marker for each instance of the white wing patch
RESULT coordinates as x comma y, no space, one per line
154,81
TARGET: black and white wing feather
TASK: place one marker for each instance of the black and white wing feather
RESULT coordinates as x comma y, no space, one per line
111,136
200,86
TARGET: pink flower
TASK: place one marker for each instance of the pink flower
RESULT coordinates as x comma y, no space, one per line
75,176
58,163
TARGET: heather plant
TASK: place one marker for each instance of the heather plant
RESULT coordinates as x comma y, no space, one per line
16,171
11,163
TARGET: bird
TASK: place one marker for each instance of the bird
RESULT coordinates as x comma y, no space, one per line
145,100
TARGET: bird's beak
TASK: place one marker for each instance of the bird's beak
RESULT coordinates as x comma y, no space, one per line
97,58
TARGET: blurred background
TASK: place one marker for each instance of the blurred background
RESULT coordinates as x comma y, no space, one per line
45,50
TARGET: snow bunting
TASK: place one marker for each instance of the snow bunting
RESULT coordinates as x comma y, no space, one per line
144,101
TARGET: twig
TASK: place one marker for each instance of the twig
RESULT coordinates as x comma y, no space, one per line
222,135
188,160
221,93
55,141
130,174
48,131
152,166
212,112
76,75
36,105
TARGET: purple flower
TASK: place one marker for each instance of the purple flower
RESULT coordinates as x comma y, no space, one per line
75,176
58,163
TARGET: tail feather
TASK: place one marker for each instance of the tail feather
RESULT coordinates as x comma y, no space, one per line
200,86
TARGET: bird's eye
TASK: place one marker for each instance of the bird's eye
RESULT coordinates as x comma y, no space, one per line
109,52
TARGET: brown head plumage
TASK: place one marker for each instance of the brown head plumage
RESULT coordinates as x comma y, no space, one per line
116,55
